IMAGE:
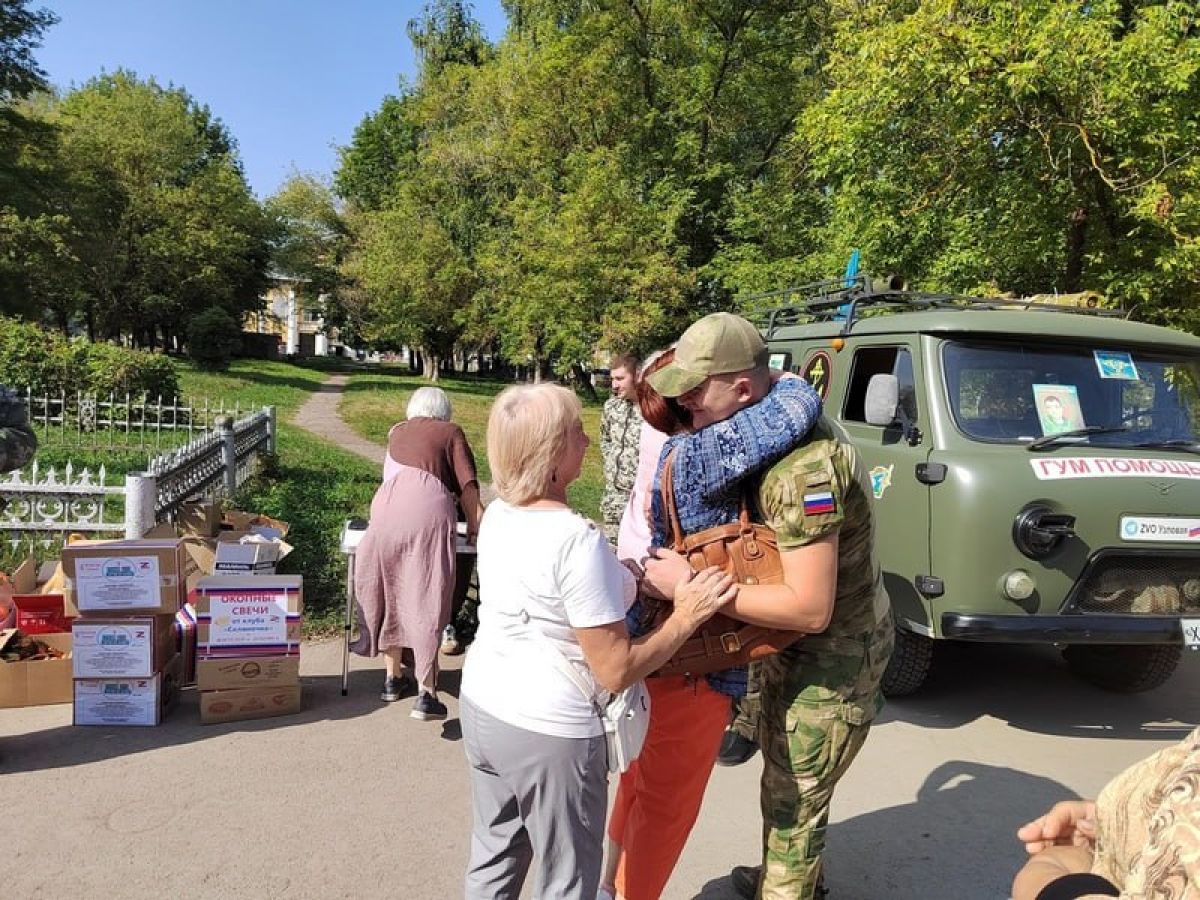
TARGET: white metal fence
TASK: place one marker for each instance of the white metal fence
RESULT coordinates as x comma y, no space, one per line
40,503
123,422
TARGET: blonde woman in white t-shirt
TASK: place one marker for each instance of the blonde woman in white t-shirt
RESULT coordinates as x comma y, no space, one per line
549,583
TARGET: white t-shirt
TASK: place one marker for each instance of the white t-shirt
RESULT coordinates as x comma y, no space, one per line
549,570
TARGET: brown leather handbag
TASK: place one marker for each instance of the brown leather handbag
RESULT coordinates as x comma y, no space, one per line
745,550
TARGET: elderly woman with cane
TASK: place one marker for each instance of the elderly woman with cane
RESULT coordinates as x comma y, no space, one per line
552,596
404,578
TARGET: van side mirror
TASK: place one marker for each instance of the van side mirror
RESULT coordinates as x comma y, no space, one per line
883,399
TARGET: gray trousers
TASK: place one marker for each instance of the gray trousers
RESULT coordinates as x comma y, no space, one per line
533,795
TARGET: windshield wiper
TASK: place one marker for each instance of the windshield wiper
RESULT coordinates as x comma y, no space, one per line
1176,444
1050,439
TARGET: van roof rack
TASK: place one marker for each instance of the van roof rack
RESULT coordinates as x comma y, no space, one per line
847,300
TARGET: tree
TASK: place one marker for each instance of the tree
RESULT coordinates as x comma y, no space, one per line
29,230
1021,146
163,222
418,280
382,151
20,34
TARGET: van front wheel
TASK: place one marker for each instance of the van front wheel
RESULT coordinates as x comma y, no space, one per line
909,666
1125,668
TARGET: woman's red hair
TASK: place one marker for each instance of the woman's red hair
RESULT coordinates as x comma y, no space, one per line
662,413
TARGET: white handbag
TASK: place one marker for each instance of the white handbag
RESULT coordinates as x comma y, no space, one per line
626,715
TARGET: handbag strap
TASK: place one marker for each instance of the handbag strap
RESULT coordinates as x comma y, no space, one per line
564,665
671,511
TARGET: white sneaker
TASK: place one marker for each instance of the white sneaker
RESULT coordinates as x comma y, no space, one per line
450,644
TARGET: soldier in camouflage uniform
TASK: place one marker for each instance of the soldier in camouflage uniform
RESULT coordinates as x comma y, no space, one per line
620,430
17,440
819,696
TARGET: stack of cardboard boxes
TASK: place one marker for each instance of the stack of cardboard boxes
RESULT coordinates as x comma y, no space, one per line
248,645
126,659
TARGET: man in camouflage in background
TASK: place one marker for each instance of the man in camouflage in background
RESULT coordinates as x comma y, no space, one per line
17,440
819,696
620,433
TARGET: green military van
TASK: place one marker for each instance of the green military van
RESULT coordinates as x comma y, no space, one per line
1035,469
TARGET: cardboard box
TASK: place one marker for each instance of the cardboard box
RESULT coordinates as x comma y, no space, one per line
127,701
250,671
236,520
40,607
249,703
134,647
248,615
199,518
247,553
138,577
38,682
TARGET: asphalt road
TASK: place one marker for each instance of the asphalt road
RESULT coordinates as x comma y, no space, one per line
352,798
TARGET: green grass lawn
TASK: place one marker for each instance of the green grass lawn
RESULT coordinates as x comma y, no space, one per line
254,383
375,401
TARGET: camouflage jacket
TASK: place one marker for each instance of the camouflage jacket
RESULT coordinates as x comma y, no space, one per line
620,432
818,489
17,440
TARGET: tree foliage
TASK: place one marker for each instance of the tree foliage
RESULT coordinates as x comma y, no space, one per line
613,168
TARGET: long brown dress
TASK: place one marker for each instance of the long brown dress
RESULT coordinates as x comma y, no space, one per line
404,569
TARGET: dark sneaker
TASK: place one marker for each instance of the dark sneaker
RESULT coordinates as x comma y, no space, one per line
735,749
427,708
745,882
397,689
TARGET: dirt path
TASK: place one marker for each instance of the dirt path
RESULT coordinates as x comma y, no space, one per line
319,415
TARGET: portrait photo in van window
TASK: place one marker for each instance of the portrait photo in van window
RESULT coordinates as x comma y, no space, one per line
1058,408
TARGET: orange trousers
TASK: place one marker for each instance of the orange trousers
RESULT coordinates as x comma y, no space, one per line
659,796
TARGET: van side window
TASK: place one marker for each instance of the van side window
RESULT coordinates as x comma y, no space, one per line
869,361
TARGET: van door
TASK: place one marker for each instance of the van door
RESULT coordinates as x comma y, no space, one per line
894,464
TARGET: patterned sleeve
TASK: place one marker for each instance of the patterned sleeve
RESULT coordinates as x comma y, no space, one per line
1168,863
17,440
606,415
752,438
805,499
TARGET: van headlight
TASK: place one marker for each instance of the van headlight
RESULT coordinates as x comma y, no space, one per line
1018,585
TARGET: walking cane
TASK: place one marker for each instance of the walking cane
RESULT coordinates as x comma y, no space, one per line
352,534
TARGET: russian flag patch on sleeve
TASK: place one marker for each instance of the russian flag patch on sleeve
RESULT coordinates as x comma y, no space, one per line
819,504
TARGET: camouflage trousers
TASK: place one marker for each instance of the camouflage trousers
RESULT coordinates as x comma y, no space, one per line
806,748
612,506
746,709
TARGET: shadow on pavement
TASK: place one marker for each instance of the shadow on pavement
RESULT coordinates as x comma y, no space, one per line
66,746
1030,688
956,840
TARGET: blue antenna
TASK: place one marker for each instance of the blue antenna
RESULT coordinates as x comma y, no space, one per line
851,268
843,311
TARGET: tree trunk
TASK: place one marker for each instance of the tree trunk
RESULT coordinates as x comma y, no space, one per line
584,383
432,367
1076,243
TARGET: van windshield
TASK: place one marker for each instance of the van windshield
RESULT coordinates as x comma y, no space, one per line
1020,393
